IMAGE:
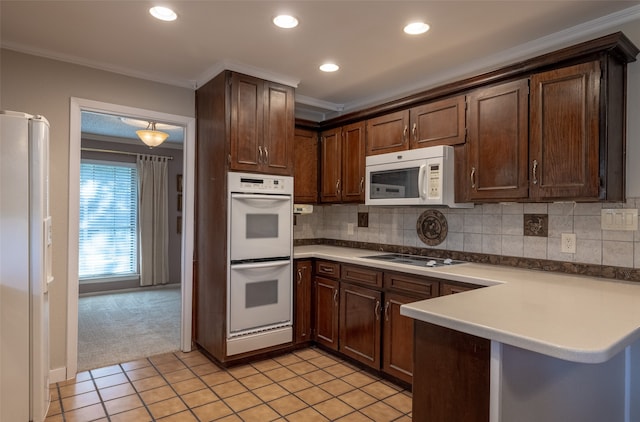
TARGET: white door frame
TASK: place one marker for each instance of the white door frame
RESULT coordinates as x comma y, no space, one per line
76,107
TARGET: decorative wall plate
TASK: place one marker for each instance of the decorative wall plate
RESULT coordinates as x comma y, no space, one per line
432,227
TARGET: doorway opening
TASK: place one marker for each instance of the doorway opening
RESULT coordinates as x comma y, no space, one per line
175,291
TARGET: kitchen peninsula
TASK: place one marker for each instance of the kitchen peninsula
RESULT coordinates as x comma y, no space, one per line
559,347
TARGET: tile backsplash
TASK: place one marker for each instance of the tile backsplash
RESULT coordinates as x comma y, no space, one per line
497,229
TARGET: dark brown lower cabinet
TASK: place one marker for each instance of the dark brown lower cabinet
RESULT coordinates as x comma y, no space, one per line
360,312
327,299
302,295
398,338
451,375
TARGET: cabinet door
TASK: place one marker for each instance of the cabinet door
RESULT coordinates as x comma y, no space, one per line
398,338
360,311
302,314
247,122
564,133
438,123
327,299
353,143
388,133
498,142
330,165
305,180
277,142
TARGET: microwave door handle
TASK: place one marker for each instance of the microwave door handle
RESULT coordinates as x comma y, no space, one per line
423,169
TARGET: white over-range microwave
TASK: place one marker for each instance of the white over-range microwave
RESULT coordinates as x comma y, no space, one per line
423,176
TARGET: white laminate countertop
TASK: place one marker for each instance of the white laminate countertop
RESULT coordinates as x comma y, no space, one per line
575,318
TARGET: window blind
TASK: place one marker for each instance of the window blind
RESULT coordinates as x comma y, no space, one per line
108,243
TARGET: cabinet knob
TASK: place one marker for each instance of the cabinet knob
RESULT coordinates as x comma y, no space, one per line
535,169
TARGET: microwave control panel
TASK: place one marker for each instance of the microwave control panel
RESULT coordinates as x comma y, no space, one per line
434,180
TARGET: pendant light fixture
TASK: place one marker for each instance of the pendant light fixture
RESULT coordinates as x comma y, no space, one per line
152,137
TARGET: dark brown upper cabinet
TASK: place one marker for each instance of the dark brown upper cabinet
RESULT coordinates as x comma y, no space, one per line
305,183
438,123
342,164
262,125
388,133
560,138
566,142
497,144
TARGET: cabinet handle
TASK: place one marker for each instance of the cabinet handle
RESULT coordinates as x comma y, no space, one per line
404,134
335,297
361,184
535,168
377,310
338,187
300,270
386,311
326,269
473,178
266,156
414,132
259,154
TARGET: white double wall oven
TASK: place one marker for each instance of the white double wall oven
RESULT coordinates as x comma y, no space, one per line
260,245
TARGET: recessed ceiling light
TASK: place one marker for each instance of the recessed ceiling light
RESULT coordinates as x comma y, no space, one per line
285,21
163,13
416,28
329,67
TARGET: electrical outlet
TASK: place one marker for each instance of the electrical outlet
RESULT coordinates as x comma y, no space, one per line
568,244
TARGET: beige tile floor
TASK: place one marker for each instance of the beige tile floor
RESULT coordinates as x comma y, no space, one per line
306,385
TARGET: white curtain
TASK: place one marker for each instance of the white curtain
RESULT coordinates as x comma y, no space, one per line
153,222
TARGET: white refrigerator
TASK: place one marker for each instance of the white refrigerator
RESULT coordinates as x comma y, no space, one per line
25,267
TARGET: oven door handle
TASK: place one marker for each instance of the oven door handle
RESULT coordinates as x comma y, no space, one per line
252,265
244,196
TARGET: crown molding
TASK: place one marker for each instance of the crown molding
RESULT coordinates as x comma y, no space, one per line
254,71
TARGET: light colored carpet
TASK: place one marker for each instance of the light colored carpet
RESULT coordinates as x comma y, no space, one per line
122,327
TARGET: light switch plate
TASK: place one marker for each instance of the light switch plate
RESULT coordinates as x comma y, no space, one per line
619,219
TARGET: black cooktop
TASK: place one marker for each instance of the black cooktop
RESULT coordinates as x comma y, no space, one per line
418,261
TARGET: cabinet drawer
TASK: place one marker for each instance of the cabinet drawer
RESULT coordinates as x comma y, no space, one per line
362,275
422,286
328,268
447,288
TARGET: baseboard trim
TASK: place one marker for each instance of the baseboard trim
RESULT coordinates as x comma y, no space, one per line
58,374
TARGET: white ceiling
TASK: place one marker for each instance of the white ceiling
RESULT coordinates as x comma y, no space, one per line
378,61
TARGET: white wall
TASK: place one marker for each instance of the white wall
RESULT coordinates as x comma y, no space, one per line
41,86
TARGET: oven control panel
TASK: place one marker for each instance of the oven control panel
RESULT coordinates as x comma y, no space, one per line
258,183
262,183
